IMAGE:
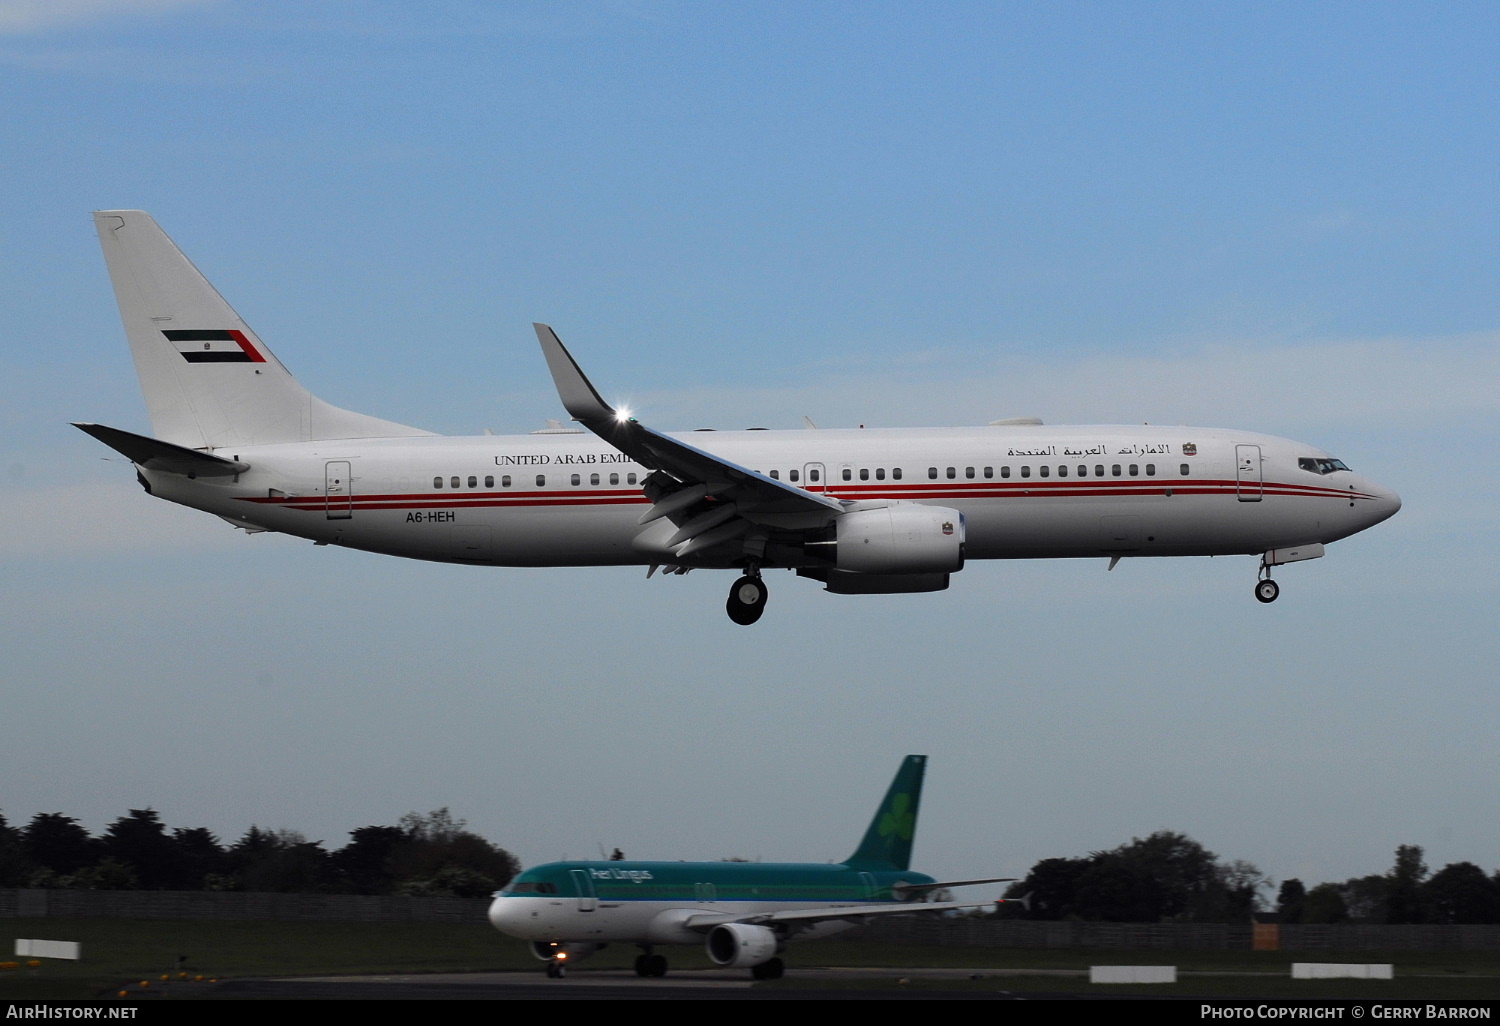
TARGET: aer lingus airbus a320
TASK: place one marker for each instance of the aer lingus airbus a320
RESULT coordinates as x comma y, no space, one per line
860,511
742,912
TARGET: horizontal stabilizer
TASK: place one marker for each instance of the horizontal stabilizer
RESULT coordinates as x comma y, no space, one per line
154,454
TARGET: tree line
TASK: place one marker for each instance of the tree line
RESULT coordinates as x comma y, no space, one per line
1169,877
431,854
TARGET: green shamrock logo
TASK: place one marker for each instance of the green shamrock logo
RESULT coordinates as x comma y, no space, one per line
901,821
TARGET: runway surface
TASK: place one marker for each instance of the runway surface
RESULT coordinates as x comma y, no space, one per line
603,984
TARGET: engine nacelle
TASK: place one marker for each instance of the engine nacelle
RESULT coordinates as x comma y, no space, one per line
902,538
572,951
741,945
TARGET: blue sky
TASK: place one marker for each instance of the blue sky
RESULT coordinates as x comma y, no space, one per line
1280,217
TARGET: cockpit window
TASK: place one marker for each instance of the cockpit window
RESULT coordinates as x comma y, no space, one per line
1320,465
531,887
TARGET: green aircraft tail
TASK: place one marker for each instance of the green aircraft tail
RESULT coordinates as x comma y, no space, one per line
887,844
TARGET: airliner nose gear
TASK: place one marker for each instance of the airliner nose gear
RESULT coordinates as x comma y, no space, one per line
747,600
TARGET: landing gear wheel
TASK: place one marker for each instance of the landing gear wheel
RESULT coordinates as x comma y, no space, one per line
656,965
641,963
1267,590
555,971
747,600
771,970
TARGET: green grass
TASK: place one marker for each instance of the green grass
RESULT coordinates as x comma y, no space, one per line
120,951
1208,986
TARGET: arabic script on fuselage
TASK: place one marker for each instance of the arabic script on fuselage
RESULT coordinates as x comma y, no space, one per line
1080,451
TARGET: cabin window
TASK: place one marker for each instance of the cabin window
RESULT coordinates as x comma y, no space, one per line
813,475
1184,470
1115,470
952,473
848,474
541,480
864,473
454,482
1151,470
614,479
1083,470
880,473
1135,470
1025,471
791,475
575,480
593,479
489,481
505,481
630,479
775,475
1005,472
1062,471
969,473
932,473
989,472
1043,470
437,482
473,482
1098,470
896,474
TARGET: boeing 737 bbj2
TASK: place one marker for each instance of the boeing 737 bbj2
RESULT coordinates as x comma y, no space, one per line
742,912
862,511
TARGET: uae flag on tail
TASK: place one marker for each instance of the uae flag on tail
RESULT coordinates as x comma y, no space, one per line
213,345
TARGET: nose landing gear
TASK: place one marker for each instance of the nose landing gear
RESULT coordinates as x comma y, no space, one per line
747,599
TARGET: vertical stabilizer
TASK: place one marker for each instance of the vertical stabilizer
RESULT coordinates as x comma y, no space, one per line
887,844
208,379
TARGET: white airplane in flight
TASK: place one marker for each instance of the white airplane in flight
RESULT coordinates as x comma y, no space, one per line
742,912
860,511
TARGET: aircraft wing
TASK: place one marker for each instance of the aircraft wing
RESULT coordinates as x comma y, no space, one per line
829,913
902,890
756,497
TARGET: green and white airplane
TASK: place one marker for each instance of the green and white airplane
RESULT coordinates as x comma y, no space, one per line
743,912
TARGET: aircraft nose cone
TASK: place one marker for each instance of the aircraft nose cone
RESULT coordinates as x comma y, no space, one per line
502,912
1386,503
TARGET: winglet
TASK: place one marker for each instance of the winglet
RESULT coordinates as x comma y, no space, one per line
578,396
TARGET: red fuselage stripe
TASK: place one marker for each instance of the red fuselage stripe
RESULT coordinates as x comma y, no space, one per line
953,491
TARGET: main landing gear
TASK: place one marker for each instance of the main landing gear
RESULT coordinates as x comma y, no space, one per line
771,970
747,599
650,965
556,970
1266,589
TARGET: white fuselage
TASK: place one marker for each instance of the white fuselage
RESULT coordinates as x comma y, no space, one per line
1024,492
639,922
